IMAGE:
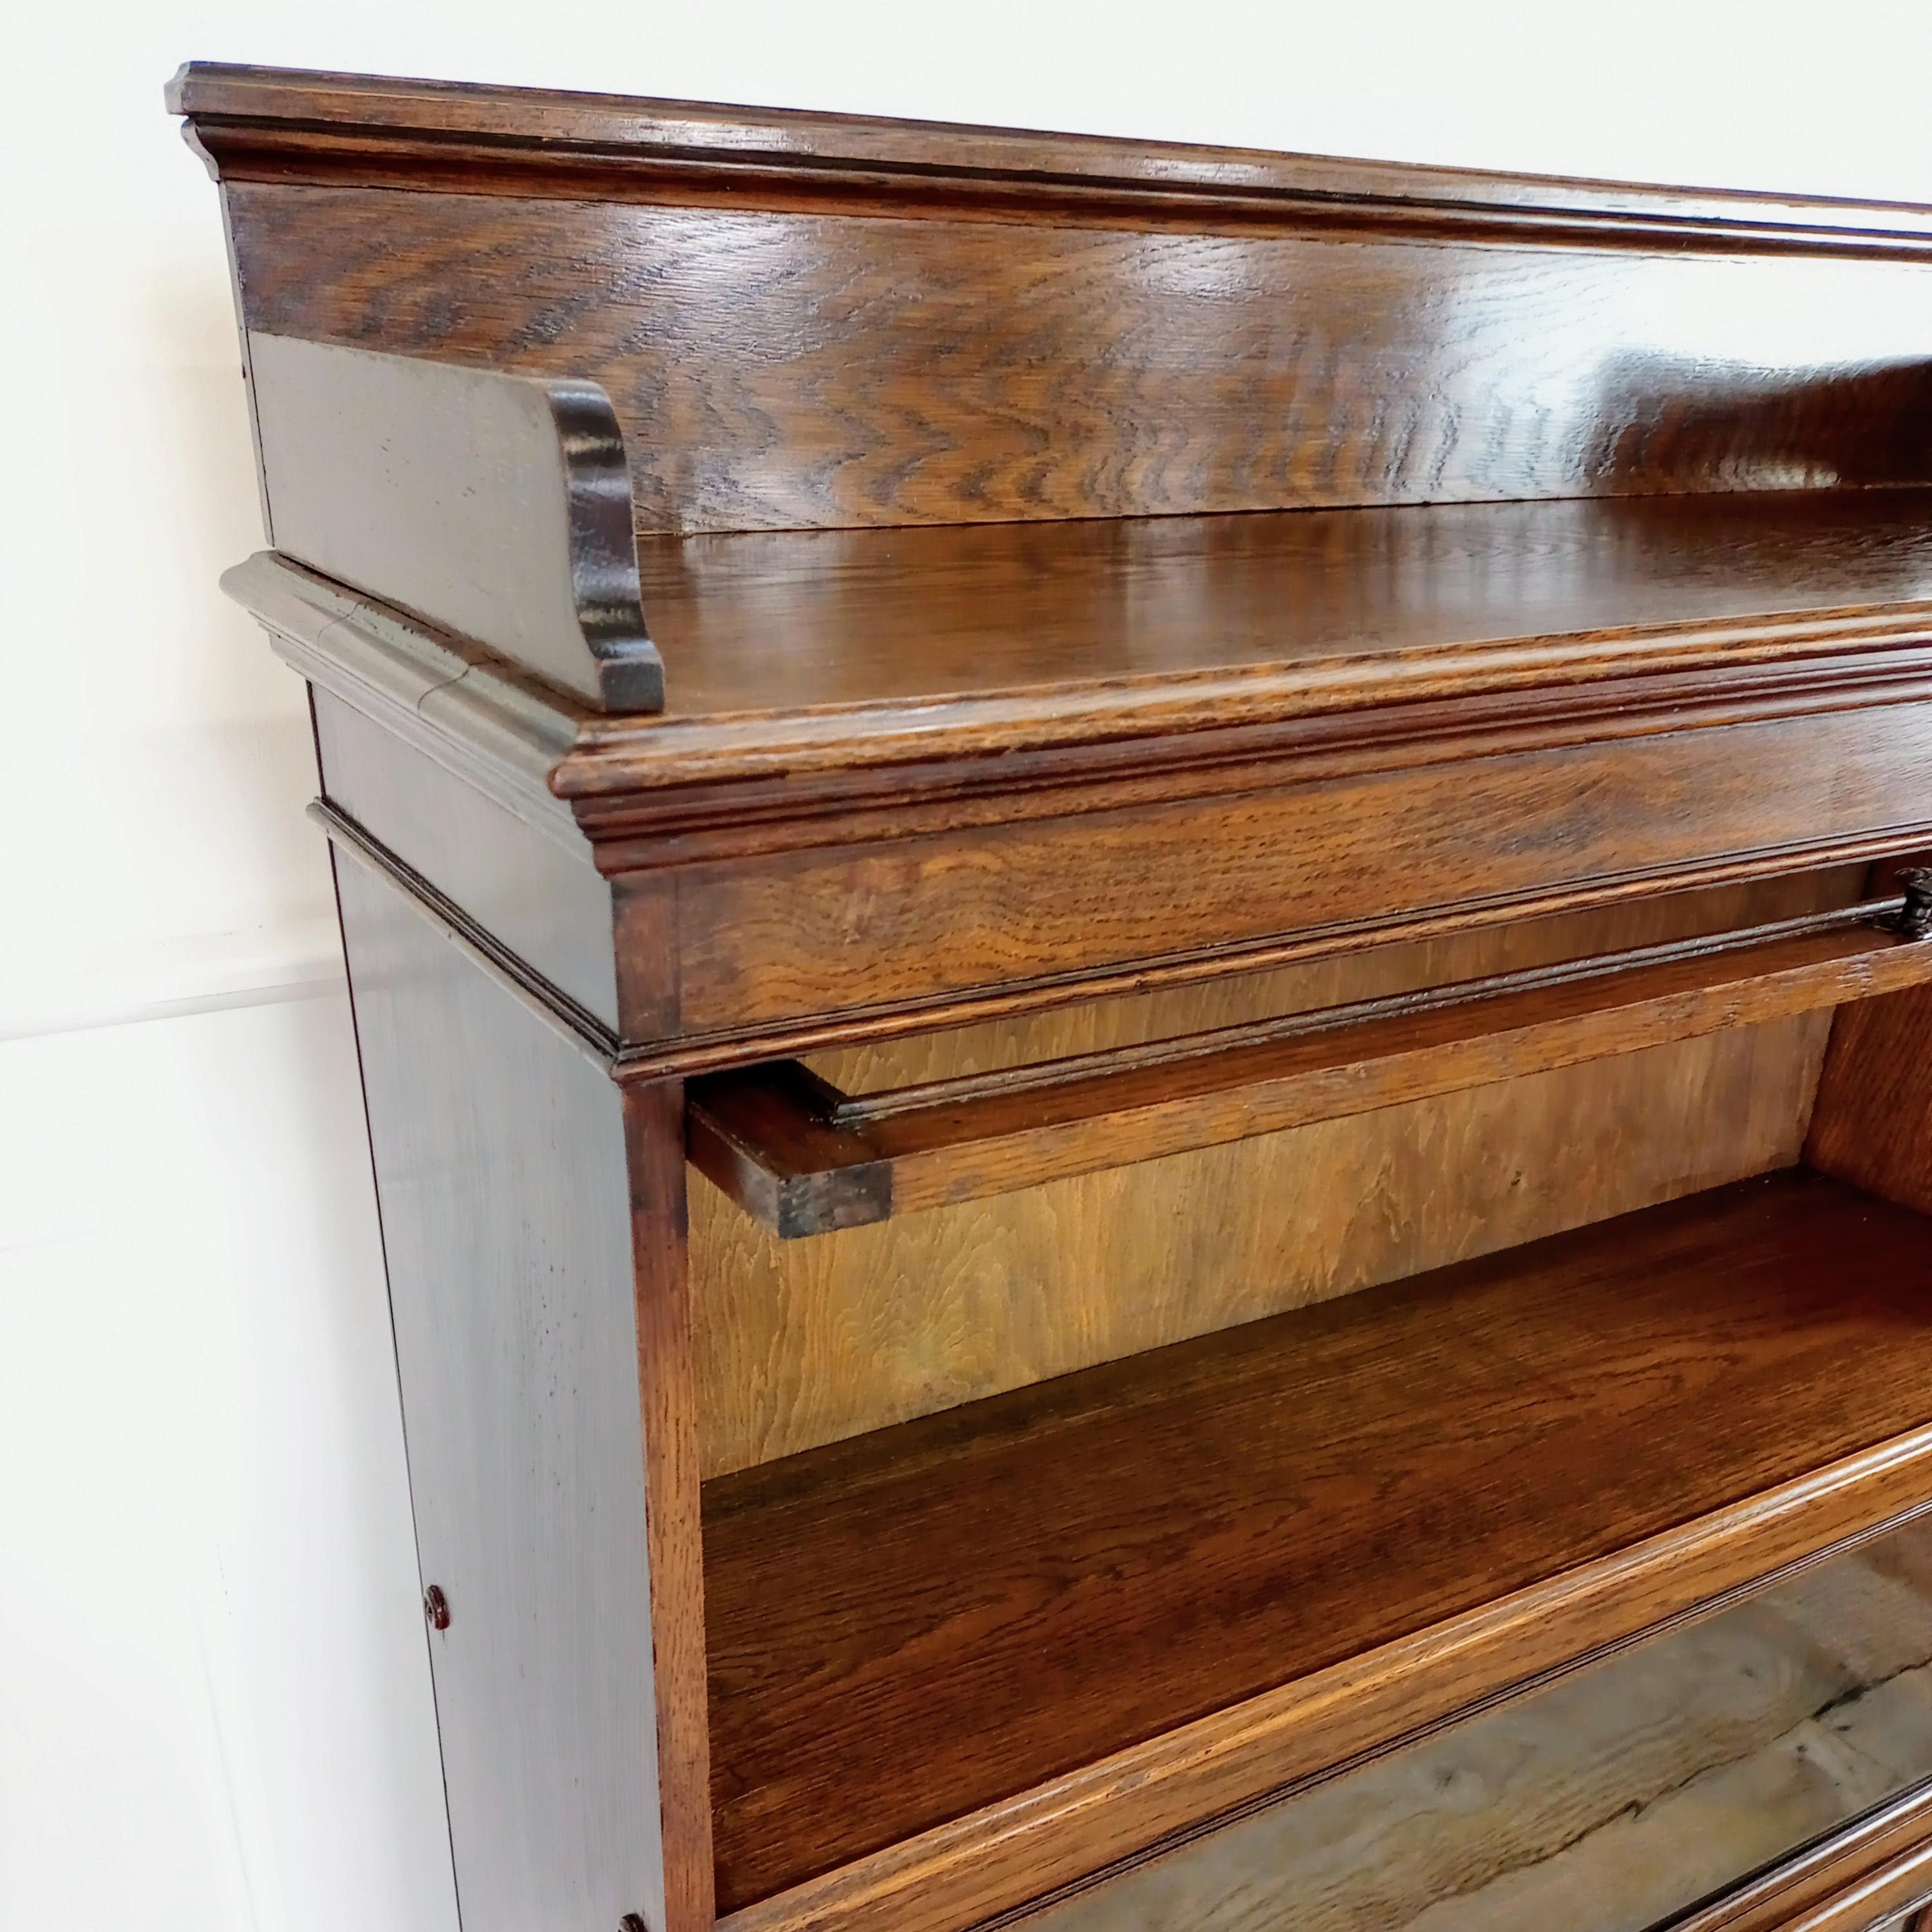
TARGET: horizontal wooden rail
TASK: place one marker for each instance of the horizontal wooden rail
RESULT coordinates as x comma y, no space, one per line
804,1158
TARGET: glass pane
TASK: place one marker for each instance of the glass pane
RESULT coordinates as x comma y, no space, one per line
1608,1801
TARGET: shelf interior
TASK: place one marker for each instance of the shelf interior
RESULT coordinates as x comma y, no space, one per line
759,623
909,1625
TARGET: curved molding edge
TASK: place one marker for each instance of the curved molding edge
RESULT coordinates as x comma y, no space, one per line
495,506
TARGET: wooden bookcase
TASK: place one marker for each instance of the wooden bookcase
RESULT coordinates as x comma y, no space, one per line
1139,941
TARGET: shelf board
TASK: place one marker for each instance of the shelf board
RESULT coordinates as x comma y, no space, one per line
784,650
909,1626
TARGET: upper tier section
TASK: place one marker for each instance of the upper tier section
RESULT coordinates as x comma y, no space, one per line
807,321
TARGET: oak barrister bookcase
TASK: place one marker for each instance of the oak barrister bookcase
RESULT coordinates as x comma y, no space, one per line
1139,938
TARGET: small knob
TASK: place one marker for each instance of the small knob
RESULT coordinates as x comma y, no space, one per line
1915,920
436,1608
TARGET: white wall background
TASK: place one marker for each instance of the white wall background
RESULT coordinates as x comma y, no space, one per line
214,1713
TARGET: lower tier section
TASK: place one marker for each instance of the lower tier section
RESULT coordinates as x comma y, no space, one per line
1633,1793
913,1625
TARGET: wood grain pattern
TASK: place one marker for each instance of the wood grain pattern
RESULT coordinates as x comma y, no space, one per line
278,118
1395,602
934,436
498,1153
915,922
1103,1816
1336,978
1613,1798
1873,1125
1875,1877
803,1343
1058,1573
803,1161
793,370
1332,979
653,1118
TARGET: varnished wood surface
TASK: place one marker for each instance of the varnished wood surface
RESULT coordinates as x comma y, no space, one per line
964,1873
803,1160
1203,884
1611,1799
803,1342
653,1134
909,1626
1151,1019
1873,1125
1413,600
1096,762
539,895
507,1235
258,112
804,370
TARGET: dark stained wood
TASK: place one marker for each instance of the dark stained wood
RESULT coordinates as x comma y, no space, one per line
1786,1736
1018,1287
1873,1122
495,505
500,1171
1199,884
804,1159
908,1627
1259,616
984,701
785,370
268,113
531,885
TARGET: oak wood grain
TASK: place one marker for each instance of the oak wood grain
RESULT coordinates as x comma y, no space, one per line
955,1876
781,370
918,921
803,1342
1102,567
653,1137
936,1618
804,1161
1401,601
1872,1124
277,118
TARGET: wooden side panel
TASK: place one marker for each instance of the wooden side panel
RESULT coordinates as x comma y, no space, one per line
1872,1126
1610,1800
1368,972
499,1153
495,506
801,1342
811,933
549,905
780,371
